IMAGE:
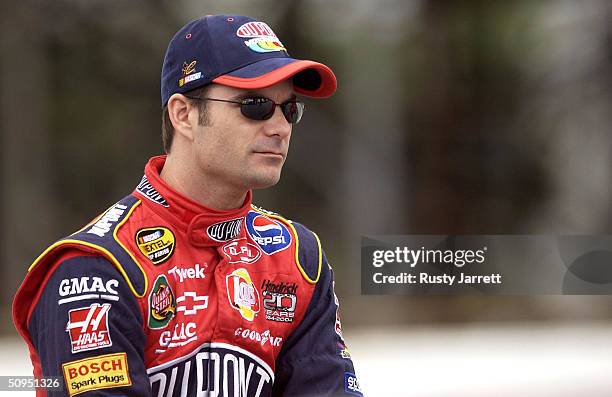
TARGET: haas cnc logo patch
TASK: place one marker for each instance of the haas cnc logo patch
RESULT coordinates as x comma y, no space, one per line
242,294
88,327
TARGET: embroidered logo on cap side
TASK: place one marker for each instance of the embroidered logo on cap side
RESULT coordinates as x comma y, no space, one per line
261,37
188,77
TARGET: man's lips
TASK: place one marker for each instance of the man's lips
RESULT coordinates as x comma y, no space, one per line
270,153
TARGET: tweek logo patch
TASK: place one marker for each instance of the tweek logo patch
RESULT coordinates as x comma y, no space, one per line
242,294
162,304
156,243
271,235
88,327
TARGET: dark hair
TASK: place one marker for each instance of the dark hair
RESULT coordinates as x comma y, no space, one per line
167,127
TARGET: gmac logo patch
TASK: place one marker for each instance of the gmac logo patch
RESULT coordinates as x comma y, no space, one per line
88,327
271,235
162,304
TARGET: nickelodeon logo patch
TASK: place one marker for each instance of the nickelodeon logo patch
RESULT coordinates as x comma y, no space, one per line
261,37
156,243
95,373
242,294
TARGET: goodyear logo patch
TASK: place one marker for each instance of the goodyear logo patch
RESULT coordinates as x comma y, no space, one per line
156,243
242,294
95,373
162,304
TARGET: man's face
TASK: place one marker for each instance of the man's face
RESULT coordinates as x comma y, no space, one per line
232,149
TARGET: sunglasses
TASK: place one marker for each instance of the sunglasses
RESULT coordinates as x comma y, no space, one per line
261,108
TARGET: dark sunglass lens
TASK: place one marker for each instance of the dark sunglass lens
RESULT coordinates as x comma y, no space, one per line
257,108
293,111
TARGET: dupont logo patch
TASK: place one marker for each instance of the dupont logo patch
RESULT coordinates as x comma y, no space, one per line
95,373
260,37
156,243
226,230
88,327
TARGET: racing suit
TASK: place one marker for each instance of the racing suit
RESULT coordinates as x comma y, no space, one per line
160,296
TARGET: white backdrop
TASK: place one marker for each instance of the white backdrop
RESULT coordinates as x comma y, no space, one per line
499,360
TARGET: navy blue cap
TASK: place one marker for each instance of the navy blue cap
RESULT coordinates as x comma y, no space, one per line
237,51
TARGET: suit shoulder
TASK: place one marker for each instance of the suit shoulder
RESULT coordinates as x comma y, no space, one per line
309,254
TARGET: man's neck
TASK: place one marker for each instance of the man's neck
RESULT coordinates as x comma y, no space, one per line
204,190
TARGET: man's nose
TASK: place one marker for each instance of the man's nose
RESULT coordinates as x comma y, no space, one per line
278,124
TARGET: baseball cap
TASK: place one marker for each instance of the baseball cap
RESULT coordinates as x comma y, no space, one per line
237,51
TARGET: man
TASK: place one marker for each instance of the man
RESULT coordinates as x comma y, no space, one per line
183,288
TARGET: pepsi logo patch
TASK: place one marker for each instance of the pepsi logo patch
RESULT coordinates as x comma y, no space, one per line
260,36
271,235
88,327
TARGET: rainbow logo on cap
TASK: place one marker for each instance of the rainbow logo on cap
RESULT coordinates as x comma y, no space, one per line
261,37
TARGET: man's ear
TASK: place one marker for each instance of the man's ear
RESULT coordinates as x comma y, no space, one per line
179,108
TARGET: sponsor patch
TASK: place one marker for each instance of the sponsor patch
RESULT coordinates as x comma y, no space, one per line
188,77
183,334
259,337
338,325
224,231
83,288
261,37
351,384
344,353
181,274
146,189
95,373
108,220
88,327
242,294
189,68
162,304
213,369
279,301
156,243
241,251
271,235
190,303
